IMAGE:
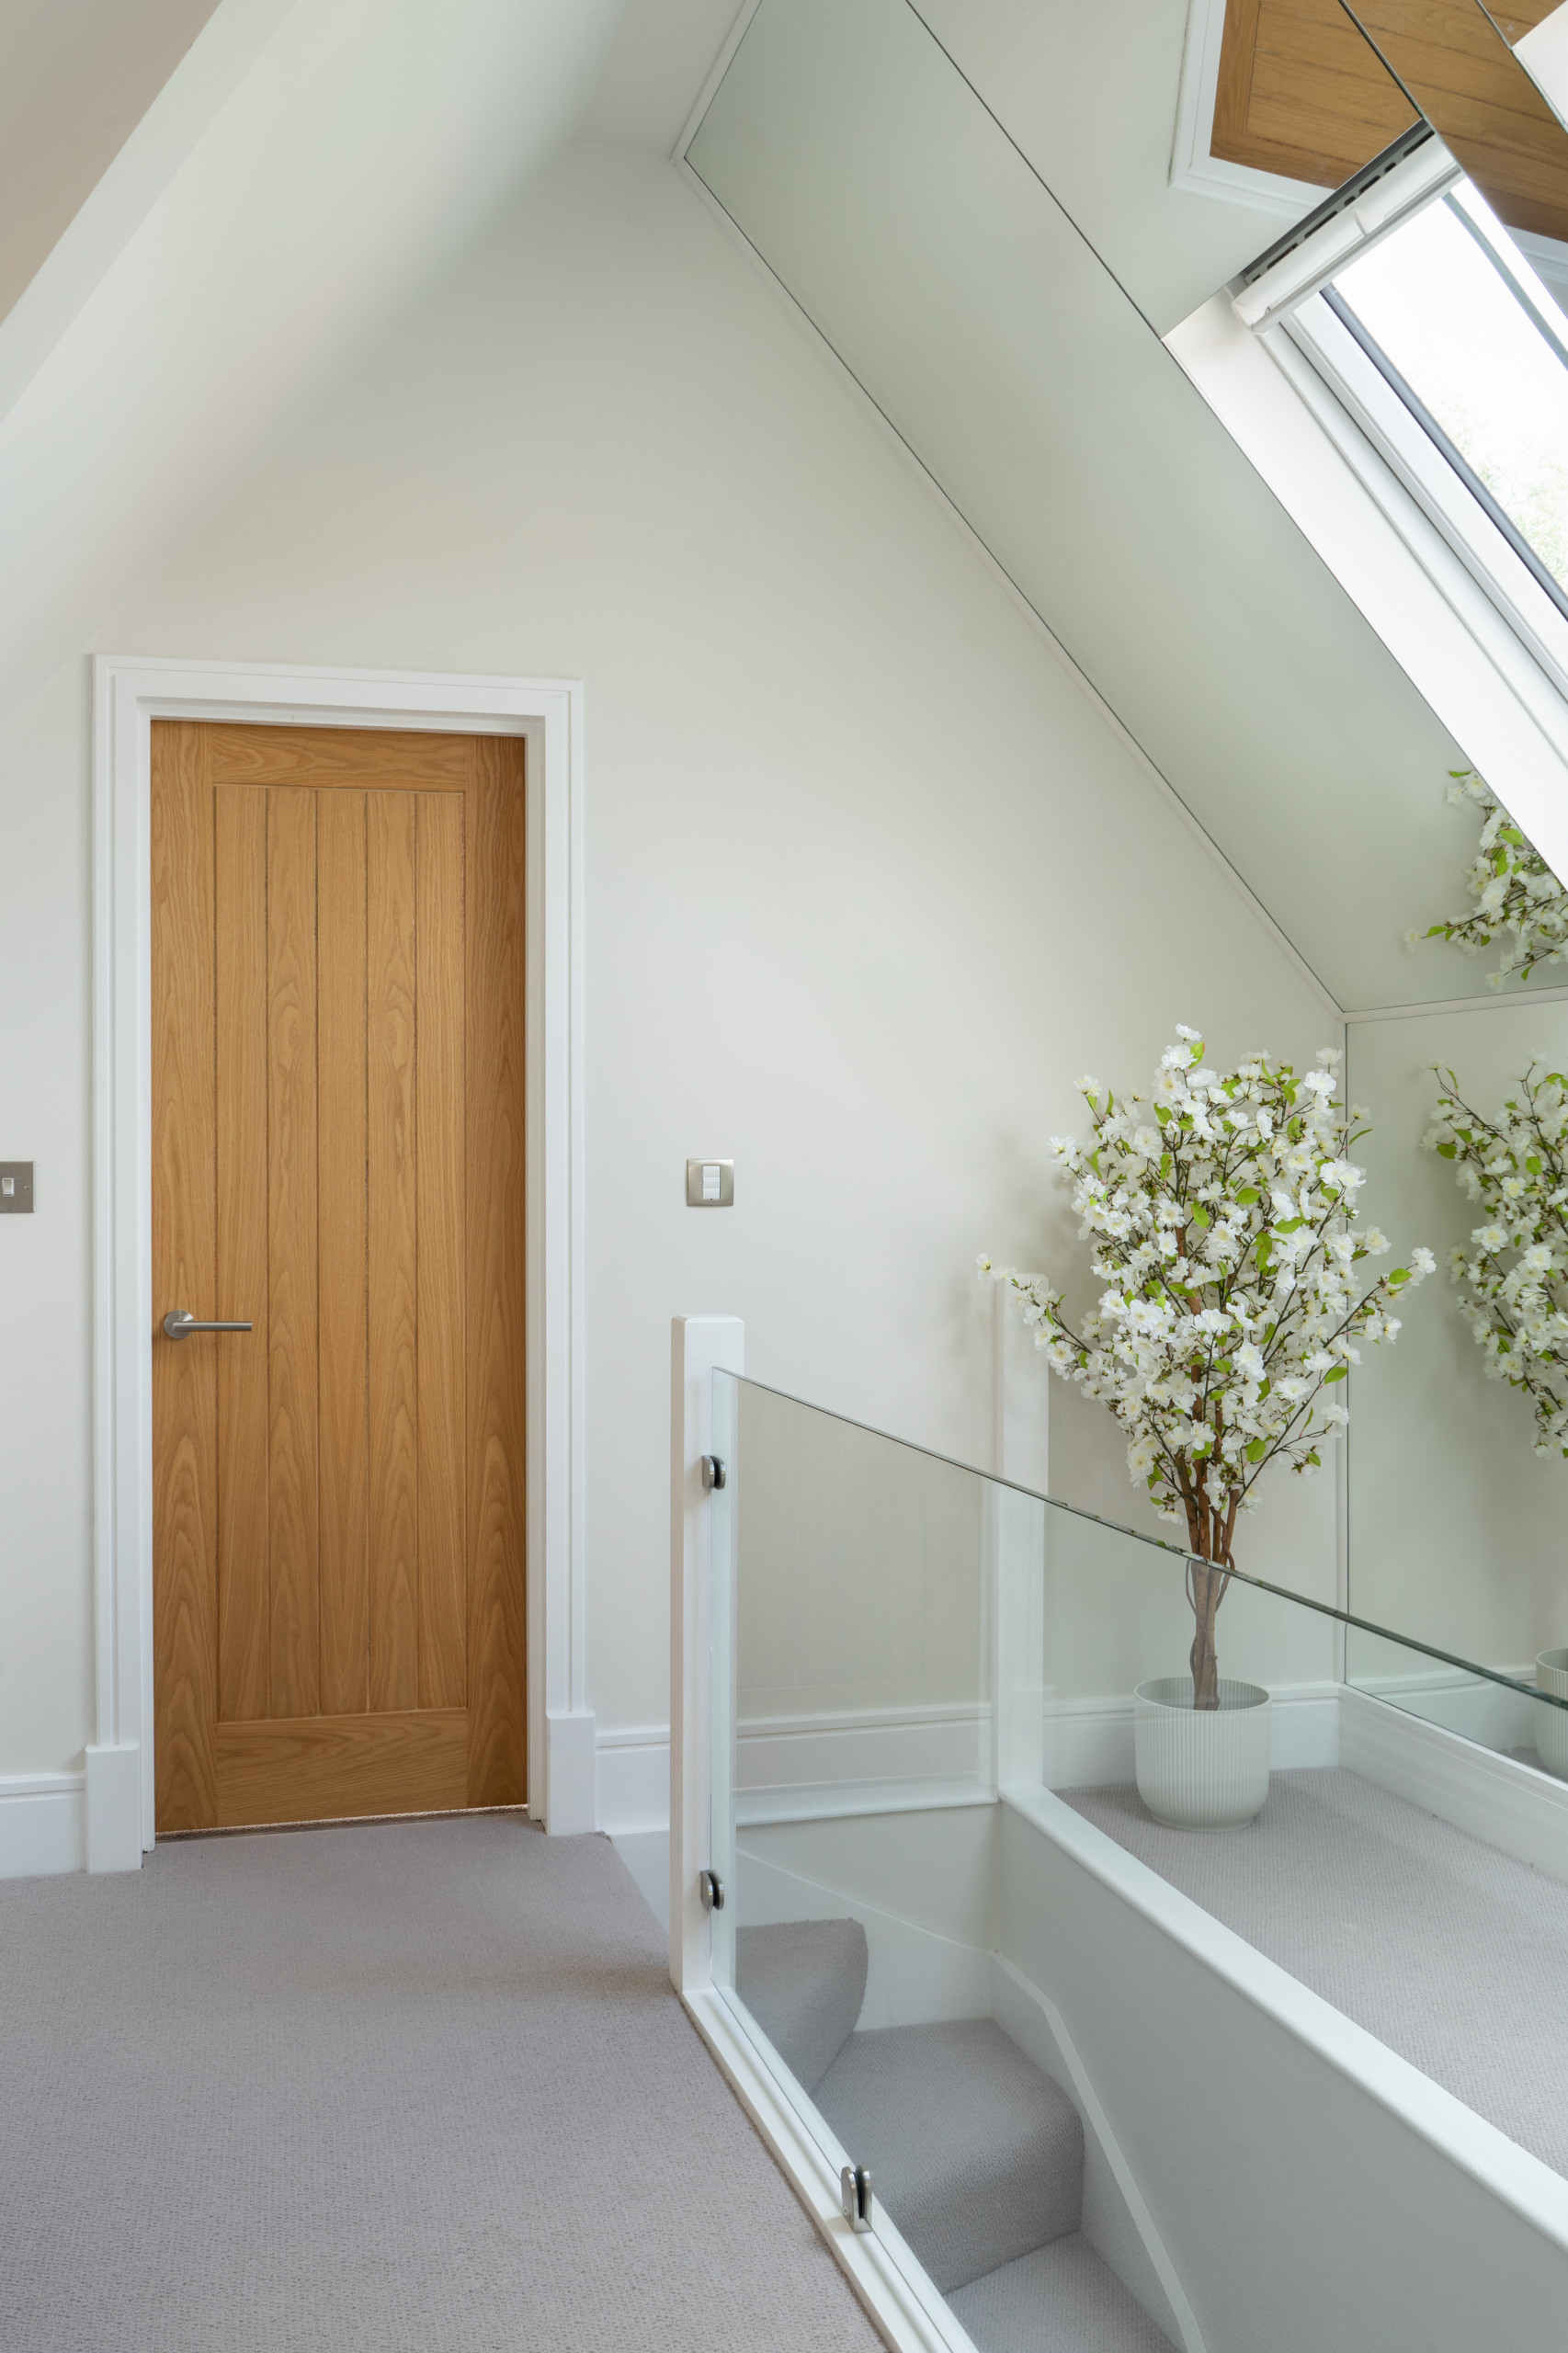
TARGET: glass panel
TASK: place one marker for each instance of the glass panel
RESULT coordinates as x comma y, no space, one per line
1477,339
905,1649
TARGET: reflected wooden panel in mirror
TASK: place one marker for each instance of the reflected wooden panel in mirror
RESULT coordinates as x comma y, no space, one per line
1479,97
1313,89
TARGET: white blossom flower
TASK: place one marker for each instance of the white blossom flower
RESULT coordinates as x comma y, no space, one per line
1515,1167
1219,1209
1518,897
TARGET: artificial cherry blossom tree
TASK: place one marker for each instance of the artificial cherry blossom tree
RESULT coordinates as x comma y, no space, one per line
1516,895
1512,1278
1221,1212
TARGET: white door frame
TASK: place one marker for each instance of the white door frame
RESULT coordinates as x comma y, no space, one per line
130,692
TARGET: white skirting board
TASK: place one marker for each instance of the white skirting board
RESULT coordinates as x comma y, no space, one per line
631,1774
43,1825
1087,1744
1513,1806
841,1750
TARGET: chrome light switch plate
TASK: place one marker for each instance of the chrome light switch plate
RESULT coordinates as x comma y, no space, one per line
709,1184
16,1189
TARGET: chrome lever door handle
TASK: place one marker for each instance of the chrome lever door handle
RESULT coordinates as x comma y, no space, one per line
179,1324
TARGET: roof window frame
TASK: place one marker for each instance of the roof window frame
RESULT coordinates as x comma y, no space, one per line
1381,428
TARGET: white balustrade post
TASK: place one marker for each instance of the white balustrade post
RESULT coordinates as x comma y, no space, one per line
699,1347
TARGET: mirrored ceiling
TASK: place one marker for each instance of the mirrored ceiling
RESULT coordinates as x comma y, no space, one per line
884,187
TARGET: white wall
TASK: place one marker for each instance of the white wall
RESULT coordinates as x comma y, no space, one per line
870,880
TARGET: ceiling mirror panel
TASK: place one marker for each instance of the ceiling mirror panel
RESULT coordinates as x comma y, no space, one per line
883,187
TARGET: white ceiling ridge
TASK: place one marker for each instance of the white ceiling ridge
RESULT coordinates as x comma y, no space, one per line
298,198
205,77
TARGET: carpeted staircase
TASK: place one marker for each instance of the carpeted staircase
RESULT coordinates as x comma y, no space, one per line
976,2156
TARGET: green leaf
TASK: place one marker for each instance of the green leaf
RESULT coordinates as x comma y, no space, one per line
1200,1218
1445,1151
1396,1276
1337,1374
1257,1449
1248,1194
1511,834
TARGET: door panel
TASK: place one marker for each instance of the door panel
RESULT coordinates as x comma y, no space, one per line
338,1019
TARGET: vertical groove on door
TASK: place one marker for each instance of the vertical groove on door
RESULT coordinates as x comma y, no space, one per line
497,1259
295,1681
183,1387
239,819
438,1077
394,1264
344,1427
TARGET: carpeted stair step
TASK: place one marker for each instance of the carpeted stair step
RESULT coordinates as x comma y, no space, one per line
1060,2299
803,1981
976,2156
974,2153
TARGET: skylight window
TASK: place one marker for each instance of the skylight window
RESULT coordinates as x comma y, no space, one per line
1445,360
1464,332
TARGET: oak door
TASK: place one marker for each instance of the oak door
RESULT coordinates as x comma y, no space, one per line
337,1027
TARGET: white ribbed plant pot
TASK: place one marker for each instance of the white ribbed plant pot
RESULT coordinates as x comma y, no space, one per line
1551,1725
1201,1769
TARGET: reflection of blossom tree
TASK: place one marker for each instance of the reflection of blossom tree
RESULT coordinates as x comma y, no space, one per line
1222,1213
1515,892
1512,1278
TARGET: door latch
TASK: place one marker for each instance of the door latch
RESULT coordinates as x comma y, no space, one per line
711,1887
713,1472
855,2196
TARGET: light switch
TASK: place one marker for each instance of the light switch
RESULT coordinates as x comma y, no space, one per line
16,1188
709,1184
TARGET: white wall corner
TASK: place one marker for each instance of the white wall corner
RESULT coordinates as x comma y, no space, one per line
700,1346
114,1807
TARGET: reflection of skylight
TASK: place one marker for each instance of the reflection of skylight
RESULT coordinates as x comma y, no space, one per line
1451,303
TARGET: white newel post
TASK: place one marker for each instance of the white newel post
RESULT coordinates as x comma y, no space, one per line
700,1346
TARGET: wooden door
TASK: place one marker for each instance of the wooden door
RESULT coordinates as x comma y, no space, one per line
338,1159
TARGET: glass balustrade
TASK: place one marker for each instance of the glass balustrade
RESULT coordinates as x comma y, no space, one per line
907,1654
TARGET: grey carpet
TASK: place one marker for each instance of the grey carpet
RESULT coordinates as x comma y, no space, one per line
803,1981
1061,2299
1452,1954
976,2156
409,2088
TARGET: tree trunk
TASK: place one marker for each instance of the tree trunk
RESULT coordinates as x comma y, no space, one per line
1210,1531
1206,1588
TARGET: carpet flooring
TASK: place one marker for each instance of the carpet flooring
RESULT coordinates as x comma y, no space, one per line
1061,2299
1454,1955
409,2085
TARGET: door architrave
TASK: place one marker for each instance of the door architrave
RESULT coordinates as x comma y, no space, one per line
129,693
